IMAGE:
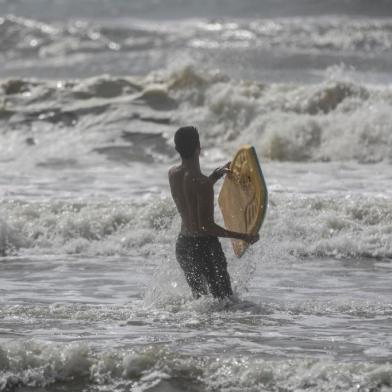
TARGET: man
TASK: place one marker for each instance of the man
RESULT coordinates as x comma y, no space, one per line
198,250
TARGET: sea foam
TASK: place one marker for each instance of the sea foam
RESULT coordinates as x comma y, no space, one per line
37,364
323,226
336,120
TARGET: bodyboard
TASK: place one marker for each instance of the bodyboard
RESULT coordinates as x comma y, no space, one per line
243,198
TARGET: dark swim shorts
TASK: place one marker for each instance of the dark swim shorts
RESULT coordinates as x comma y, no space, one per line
204,265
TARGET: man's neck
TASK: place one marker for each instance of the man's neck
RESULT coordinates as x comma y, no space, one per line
192,164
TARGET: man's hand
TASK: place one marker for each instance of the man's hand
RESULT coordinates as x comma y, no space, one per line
251,238
220,172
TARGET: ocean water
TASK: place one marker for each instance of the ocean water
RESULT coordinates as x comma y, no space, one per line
91,93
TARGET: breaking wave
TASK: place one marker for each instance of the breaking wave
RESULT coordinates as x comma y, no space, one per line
339,227
36,364
128,119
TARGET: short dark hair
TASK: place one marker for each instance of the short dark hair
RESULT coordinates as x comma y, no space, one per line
186,141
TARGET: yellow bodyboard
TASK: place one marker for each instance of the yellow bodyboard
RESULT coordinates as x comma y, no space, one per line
243,198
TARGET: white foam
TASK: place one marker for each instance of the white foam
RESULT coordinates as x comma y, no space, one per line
102,227
37,364
333,226
336,120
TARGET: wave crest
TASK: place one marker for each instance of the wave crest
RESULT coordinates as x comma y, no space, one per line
330,121
339,227
334,120
35,364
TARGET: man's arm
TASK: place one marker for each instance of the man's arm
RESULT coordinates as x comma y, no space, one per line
205,210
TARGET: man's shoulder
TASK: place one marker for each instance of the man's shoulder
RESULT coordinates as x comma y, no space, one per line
173,170
203,181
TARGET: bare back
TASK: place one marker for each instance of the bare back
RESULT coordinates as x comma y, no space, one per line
190,189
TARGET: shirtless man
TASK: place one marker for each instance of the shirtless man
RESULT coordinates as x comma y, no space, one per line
198,250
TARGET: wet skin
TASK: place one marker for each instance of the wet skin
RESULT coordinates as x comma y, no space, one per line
193,194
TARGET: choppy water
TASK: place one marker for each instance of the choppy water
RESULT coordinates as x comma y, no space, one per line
91,297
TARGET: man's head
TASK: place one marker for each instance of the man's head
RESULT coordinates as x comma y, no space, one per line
186,141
